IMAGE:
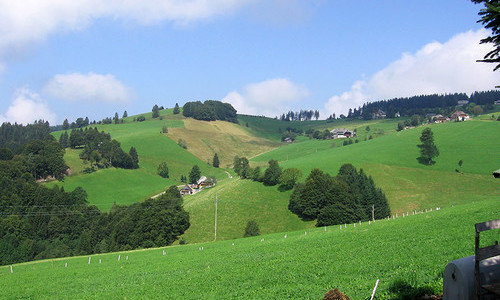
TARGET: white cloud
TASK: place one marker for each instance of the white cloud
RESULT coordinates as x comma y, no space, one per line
268,98
28,107
88,87
436,68
23,23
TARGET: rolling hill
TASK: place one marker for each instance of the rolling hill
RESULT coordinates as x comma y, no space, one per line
390,157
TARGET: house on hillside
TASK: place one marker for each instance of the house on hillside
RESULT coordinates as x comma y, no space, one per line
497,102
439,119
287,140
497,173
341,133
187,190
463,102
205,182
459,116
397,115
379,114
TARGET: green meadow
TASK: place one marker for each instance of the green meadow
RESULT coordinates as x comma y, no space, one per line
390,157
108,186
413,250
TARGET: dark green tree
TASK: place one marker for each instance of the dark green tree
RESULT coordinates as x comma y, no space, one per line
215,161
6,154
125,114
289,177
134,156
490,18
428,149
194,174
252,229
163,170
241,166
65,125
116,119
156,111
176,109
272,173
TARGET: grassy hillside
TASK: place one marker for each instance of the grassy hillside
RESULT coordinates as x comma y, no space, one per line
413,250
391,160
239,202
204,139
108,186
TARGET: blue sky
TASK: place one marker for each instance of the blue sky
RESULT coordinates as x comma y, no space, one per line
65,59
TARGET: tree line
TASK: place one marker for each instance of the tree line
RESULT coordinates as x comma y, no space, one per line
302,115
422,105
210,110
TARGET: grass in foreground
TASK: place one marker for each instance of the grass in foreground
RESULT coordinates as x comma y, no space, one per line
413,249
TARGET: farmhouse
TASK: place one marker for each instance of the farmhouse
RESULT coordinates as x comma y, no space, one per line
497,102
463,102
379,114
187,190
460,116
497,173
204,182
341,133
439,119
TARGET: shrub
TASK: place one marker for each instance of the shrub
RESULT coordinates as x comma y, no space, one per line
252,229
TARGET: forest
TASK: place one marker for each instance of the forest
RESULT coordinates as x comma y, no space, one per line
210,110
421,105
37,222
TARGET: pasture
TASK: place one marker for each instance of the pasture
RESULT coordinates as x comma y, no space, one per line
412,251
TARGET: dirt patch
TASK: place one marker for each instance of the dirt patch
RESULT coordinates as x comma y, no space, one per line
335,295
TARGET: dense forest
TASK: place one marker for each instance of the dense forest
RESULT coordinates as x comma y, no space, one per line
37,222
210,110
421,105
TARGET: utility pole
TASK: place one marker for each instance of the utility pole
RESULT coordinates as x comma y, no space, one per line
215,231
373,213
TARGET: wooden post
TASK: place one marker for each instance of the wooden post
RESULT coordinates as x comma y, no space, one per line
89,260
373,212
119,255
12,271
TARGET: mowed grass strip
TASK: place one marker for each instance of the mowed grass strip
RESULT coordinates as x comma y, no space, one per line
414,249
228,140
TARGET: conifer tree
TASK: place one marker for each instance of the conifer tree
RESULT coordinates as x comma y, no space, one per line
65,125
156,111
194,174
176,109
135,157
215,162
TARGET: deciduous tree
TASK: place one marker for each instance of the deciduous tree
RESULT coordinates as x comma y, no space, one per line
428,149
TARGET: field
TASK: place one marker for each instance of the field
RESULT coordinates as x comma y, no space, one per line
131,186
412,250
228,140
390,158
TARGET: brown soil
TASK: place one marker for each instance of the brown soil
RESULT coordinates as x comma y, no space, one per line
335,295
